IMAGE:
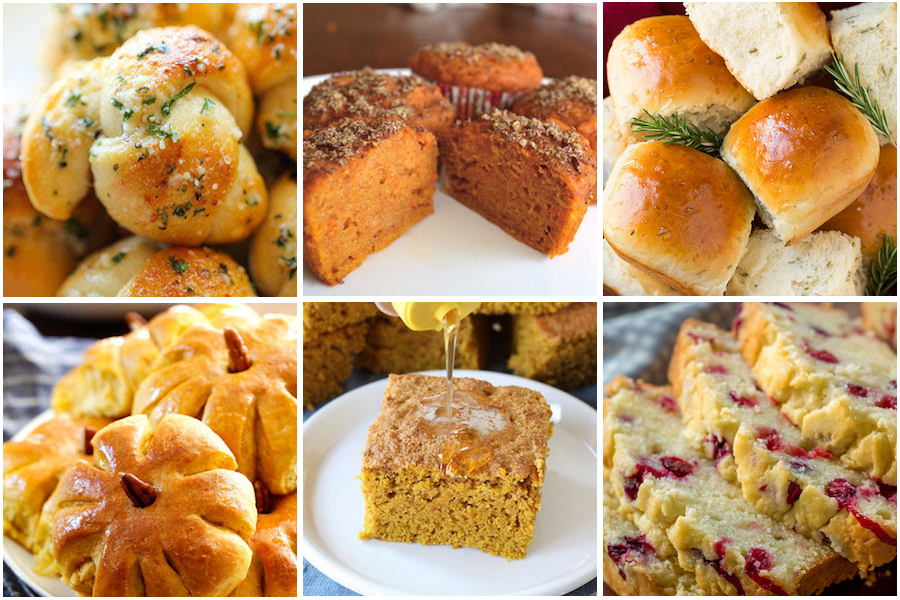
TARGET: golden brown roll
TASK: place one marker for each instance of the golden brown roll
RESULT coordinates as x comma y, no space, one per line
806,154
679,215
273,571
159,511
273,250
875,211
40,252
138,267
156,128
660,64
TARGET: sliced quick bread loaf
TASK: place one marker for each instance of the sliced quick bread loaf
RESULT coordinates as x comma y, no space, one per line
631,565
666,485
837,383
824,263
767,46
780,472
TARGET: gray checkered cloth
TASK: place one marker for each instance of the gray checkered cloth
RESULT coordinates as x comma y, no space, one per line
638,338
32,364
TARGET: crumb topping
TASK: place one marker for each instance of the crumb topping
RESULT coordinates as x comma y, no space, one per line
472,54
339,142
546,138
364,93
570,89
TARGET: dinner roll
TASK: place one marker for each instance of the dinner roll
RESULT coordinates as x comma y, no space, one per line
875,211
866,35
805,154
660,64
768,46
139,267
678,214
824,263
622,279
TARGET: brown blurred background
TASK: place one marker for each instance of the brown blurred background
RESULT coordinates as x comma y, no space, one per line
341,37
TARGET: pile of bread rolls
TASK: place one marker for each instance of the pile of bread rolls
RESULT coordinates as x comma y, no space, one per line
176,123
805,190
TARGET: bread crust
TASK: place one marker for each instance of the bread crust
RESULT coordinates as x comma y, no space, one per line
874,212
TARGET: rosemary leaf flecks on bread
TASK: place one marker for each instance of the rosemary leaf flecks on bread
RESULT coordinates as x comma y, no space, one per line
883,270
859,96
675,130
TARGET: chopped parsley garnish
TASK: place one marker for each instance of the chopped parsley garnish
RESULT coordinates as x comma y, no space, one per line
167,107
159,47
117,258
179,266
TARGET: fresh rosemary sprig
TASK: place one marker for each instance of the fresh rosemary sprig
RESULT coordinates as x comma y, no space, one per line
674,130
883,270
859,96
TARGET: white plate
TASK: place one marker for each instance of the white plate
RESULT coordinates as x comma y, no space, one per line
20,560
457,250
562,556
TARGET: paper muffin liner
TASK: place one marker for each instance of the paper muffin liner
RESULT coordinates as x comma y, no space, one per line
472,102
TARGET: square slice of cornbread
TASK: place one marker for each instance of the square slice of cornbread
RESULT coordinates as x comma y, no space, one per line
493,507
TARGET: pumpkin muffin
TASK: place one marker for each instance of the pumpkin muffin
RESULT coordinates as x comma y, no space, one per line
365,182
366,93
478,78
572,101
531,178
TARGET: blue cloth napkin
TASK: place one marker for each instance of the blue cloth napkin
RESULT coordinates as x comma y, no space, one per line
315,583
32,364
638,338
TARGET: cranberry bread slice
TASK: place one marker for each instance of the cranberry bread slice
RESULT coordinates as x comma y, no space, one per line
665,485
837,383
631,565
736,424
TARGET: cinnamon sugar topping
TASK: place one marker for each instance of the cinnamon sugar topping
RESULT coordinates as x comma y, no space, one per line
544,137
340,141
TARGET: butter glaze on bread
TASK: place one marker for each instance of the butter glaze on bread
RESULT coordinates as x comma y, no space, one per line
806,154
661,64
677,214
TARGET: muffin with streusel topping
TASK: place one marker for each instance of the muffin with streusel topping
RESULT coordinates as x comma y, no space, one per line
370,94
572,101
477,79
531,178
365,182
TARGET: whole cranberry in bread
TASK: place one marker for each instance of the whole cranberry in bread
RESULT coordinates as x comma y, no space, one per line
158,512
237,371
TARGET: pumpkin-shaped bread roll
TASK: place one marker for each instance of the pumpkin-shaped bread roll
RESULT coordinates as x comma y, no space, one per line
159,511
33,467
238,373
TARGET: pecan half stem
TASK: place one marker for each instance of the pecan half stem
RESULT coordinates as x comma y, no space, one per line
141,493
239,357
134,320
89,433
263,499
